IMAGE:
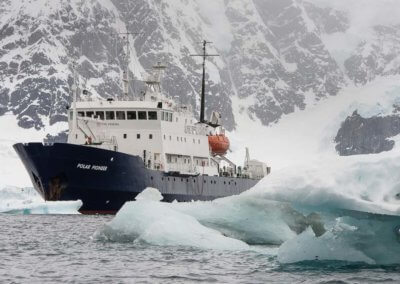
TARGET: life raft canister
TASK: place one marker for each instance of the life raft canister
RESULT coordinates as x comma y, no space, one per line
219,144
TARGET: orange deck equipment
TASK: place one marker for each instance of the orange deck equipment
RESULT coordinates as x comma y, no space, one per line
219,144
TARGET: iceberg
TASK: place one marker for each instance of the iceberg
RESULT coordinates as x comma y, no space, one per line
147,220
15,200
357,237
343,209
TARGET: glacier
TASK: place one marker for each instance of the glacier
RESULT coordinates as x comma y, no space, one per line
343,209
24,201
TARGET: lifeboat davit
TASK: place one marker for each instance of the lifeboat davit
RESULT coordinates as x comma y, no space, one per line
219,144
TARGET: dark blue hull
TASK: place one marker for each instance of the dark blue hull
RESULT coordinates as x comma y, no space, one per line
104,180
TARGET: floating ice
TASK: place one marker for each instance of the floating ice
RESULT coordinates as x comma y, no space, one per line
14,200
157,223
247,218
150,194
359,237
344,209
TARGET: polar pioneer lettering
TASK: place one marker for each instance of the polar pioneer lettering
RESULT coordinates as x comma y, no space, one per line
91,167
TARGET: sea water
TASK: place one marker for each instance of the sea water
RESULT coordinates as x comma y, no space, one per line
335,222
60,248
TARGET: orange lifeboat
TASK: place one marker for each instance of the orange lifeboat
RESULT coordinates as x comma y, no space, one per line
219,144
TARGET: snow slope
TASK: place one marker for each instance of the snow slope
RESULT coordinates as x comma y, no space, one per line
12,171
309,135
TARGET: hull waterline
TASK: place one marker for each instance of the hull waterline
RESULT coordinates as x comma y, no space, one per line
104,180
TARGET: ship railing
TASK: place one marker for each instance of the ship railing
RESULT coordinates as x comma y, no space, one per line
195,130
183,108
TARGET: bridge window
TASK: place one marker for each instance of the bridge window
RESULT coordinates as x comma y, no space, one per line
120,115
152,115
131,115
142,115
81,113
110,115
100,115
89,113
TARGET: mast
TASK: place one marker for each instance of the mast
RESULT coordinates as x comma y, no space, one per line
247,159
125,76
203,80
75,91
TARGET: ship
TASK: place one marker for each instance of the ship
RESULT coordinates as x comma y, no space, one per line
117,147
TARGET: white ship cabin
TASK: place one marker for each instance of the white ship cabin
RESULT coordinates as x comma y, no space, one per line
164,134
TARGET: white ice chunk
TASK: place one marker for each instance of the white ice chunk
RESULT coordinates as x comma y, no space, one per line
157,223
150,193
14,200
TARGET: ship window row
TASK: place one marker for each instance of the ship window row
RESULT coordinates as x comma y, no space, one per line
119,115
181,139
125,136
194,180
179,159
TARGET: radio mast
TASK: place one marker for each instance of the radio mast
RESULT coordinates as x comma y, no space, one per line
203,81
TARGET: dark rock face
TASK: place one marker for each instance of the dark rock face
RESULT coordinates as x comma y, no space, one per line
358,135
61,137
379,57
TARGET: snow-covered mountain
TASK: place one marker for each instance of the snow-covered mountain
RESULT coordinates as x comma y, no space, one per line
277,58
270,53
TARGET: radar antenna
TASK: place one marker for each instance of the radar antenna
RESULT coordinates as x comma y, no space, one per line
155,75
203,83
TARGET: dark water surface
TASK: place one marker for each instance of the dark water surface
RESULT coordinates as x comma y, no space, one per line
57,248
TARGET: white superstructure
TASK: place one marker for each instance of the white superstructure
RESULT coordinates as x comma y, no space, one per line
165,134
